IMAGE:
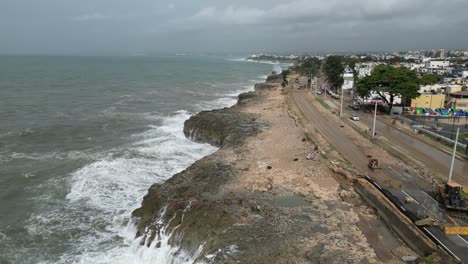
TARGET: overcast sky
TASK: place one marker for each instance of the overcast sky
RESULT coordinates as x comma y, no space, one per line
139,27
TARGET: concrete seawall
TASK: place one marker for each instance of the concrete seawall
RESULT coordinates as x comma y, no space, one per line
398,222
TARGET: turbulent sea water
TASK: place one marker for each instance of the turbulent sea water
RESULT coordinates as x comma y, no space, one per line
83,138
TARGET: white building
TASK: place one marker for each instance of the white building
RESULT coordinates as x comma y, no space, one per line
364,71
374,96
413,66
348,81
431,88
438,64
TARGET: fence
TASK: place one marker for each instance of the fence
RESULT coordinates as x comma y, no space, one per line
443,125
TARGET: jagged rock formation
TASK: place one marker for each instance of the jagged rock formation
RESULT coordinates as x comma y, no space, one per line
275,79
193,194
220,127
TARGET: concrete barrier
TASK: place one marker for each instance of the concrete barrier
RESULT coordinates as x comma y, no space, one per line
397,221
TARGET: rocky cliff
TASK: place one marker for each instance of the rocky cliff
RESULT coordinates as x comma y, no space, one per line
190,205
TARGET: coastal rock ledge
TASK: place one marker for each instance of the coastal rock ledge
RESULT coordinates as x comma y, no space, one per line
189,207
257,199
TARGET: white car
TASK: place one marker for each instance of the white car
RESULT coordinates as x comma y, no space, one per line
354,117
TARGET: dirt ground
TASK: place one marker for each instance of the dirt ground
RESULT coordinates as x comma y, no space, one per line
285,160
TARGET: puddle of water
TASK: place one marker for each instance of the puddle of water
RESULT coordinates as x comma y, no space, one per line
320,229
290,201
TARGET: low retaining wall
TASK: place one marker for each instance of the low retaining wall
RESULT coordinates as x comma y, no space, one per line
398,222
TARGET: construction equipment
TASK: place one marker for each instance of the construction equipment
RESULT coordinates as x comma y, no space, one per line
450,196
429,221
373,164
456,230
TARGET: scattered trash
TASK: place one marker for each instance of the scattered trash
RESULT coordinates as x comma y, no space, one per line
408,200
409,258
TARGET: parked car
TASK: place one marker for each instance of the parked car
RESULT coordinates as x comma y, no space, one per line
319,92
355,106
354,117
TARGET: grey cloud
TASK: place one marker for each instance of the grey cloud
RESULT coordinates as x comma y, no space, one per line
91,17
148,26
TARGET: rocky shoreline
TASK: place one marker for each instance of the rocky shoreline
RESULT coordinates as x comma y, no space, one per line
194,193
266,196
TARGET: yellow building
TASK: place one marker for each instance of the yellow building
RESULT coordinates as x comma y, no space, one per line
458,100
429,100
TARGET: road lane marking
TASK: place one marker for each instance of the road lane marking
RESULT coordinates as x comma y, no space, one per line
378,186
410,197
430,197
398,172
463,239
442,244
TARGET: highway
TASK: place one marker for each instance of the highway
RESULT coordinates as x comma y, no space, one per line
435,159
424,205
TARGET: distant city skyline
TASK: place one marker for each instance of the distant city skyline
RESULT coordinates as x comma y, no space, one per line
145,27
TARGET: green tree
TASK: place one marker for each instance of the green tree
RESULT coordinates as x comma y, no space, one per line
333,69
389,80
427,79
309,66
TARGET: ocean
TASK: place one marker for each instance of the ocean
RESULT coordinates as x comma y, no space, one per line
83,138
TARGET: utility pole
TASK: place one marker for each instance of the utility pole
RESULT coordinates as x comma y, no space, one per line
341,107
453,156
375,119
325,96
316,85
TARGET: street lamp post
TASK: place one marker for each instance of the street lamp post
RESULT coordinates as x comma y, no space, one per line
317,84
453,155
375,119
341,107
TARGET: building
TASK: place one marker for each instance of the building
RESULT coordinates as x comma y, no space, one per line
375,97
437,64
348,81
431,88
429,100
453,88
364,71
458,100
465,74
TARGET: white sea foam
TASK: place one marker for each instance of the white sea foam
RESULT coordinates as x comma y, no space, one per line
114,187
217,103
105,191
263,62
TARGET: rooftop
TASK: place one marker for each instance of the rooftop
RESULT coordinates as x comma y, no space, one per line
460,93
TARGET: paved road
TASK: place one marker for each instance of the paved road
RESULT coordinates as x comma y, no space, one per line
425,205
331,132
435,159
